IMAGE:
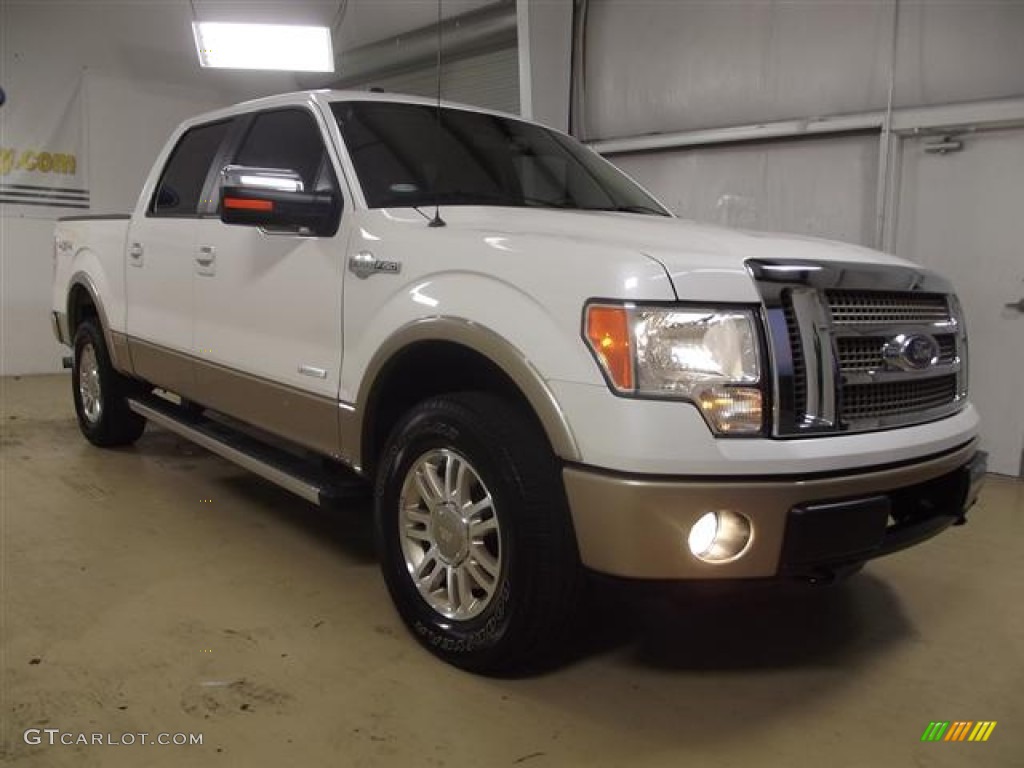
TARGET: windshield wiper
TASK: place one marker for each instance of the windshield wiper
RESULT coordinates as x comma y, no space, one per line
458,197
633,209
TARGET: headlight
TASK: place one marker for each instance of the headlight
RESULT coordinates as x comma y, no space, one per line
707,356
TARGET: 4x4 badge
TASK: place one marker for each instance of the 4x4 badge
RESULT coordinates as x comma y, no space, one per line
364,264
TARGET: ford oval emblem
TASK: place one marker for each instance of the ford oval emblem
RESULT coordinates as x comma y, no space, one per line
911,352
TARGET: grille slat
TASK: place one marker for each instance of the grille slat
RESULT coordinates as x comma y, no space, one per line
799,366
870,401
870,307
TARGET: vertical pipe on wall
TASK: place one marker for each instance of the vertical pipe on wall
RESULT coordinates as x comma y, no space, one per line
883,196
578,75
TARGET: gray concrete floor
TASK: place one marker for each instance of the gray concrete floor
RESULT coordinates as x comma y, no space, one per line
160,589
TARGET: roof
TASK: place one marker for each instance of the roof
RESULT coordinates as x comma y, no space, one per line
323,96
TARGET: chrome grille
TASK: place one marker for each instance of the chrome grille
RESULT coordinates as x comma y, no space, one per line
864,353
885,307
872,401
841,336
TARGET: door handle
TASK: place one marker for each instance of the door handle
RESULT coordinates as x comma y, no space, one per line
206,255
135,253
1019,305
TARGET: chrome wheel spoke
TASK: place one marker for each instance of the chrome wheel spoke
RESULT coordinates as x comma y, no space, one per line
428,485
417,534
451,467
414,514
480,555
425,576
474,509
480,577
463,481
466,599
452,585
480,528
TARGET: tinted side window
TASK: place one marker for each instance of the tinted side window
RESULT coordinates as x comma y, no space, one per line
182,181
288,139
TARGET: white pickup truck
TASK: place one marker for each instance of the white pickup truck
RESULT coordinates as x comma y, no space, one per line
533,366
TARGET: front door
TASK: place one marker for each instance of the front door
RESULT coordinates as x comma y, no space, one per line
268,317
960,213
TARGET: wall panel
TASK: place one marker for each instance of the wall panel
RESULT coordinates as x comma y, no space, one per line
822,187
488,80
671,66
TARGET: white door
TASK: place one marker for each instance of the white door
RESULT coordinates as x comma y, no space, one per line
962,214
159,261
268,305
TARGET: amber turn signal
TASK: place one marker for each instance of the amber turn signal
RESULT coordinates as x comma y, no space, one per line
248,203
607,330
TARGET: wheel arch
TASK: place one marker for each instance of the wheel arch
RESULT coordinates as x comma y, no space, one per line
83,301
437,355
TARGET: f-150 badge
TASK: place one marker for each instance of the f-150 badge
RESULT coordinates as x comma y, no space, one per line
364,264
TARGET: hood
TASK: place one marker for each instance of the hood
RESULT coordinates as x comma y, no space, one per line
701,259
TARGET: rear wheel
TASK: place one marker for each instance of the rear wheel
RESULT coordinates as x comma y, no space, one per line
476,541
100,392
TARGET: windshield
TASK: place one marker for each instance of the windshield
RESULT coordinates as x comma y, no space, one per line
404,159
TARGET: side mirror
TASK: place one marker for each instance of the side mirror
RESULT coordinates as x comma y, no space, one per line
276,199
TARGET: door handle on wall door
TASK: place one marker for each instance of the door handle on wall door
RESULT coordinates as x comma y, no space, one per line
1018,305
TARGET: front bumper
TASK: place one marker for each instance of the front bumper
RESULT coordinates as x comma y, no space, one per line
637,527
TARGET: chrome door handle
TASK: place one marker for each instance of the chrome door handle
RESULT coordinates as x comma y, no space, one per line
206,255
1019,305
135,253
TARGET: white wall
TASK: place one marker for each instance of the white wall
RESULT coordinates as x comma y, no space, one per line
488,80
656,66
751,185
141,77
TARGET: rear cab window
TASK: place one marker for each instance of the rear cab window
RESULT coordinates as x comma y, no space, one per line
180,189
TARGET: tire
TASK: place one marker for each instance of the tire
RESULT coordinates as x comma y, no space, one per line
100,392
495,551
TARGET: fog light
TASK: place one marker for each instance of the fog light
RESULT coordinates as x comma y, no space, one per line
719,536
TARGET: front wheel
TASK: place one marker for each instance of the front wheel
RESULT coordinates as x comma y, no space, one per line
99,392
476,542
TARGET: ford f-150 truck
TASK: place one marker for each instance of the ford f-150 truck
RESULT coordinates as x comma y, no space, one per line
536,370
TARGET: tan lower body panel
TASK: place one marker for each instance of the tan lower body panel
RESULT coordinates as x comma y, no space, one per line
120,355
301,417
637,528
163,367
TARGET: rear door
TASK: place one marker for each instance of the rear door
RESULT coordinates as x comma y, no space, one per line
160,261
268,314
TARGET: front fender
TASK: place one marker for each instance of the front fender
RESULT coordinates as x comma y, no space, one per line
491,345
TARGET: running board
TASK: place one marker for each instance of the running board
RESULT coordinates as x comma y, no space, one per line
322,486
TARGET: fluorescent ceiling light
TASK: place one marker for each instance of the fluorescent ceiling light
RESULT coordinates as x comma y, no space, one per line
263,46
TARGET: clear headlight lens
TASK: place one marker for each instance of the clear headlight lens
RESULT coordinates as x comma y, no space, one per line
707,356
